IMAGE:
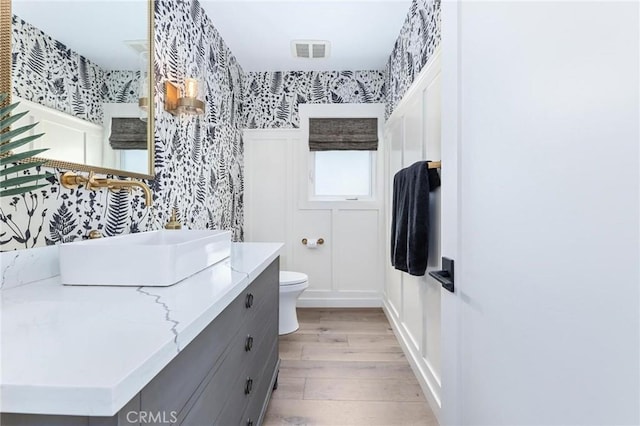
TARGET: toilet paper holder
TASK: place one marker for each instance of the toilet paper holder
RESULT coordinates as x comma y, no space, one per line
320,241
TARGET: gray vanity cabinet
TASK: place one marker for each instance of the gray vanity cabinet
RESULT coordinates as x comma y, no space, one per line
244,375
224,377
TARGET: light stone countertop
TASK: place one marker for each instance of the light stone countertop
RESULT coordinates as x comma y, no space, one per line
76,350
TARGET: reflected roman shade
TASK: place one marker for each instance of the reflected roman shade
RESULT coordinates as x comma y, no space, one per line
343,134
128,133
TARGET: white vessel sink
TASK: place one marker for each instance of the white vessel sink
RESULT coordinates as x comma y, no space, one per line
157,258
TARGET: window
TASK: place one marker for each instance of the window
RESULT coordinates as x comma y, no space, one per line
342,157
344,174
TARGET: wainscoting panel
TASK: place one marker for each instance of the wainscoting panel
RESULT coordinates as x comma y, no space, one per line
356,244
76,140
347,270
413,303
393,284
267,188
413,309
315,262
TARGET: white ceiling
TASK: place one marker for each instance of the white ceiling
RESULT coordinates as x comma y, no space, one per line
362,32
258,32
96,29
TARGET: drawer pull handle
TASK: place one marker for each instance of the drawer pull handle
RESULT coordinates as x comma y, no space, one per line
249,422
248,386
248,301
248,344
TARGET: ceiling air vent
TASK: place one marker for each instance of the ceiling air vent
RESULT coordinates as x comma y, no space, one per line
310,49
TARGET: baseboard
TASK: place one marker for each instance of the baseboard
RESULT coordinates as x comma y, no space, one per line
415,360
339,299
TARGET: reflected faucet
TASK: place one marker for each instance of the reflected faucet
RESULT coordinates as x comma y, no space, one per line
72,180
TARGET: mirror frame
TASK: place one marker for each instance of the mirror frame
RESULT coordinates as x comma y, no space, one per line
6,87
5,50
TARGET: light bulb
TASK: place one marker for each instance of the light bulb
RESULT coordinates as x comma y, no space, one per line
191,88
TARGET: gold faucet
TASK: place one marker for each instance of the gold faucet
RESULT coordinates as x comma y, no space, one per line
72,180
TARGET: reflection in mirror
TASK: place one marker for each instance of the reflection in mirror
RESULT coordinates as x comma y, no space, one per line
81,70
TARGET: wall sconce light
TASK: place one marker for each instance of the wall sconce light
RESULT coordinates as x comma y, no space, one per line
189,103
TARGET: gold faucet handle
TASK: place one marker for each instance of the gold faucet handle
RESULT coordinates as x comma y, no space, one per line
71,180
173,221
91,179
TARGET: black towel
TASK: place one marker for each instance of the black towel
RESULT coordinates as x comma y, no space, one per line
410,217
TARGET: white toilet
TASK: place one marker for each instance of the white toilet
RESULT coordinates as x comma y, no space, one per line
292,284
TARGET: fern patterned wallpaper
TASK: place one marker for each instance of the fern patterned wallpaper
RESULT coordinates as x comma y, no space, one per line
419,37
45,71
198,160
272,98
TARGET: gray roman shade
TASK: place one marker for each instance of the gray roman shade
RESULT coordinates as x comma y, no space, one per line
128,133
343,134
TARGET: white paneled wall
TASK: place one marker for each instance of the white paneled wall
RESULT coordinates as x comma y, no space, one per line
317,263
393,283
413,303
347,270
267,189
68,138
355,231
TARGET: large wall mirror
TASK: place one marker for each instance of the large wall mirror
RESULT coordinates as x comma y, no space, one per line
84,71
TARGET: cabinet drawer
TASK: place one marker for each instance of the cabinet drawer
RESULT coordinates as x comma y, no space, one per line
244,387
254,365
176,383
256,404
246,349
262,290
209,403
265,332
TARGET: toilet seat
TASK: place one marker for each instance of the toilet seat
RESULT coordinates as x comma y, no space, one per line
292,278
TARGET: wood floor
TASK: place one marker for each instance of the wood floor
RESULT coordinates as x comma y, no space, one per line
345,367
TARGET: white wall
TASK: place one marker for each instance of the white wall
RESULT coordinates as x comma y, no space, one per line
75,140
547,128
413,303
346,271
66,137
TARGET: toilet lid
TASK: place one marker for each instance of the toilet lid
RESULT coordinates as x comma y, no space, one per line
290,278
